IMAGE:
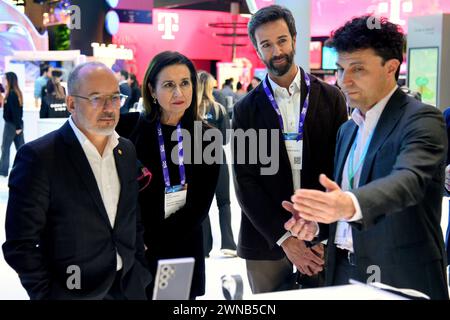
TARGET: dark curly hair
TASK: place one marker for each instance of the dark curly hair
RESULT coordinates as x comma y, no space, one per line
270,14
370,32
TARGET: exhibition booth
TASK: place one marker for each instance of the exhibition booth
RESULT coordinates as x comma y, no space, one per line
218,42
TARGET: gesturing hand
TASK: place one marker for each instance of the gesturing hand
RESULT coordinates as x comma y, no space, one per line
325,207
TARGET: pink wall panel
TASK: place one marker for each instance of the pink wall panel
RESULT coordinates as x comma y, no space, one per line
328,15
186,31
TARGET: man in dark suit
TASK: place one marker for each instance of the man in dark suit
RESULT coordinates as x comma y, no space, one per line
384,210
302,124
72,222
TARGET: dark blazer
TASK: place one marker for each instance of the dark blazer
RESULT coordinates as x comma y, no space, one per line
400,194
180,235
126,90
260,196
56,218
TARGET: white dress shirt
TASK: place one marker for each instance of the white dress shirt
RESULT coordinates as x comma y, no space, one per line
288,100
105,172
289,103
366,127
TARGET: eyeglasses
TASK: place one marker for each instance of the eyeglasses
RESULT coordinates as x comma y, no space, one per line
99,101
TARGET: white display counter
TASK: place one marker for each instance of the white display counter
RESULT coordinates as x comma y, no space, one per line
347,292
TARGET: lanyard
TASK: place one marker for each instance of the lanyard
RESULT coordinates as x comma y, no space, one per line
350,170
162,151
277,109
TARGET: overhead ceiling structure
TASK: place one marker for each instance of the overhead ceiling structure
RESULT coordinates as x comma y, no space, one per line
211,5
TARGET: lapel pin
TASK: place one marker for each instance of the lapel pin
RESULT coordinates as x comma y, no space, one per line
119,151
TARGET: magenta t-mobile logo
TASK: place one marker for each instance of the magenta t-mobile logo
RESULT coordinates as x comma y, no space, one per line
169,23
395,8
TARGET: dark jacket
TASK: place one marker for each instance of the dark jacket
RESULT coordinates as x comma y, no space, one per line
126,90
260,196
180,235
56,219
400,195
13,111
51,105
135,96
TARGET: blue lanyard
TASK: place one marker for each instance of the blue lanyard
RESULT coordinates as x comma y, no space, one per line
277,109
350,170
162,151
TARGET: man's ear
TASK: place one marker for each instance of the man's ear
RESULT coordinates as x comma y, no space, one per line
392,66
70,102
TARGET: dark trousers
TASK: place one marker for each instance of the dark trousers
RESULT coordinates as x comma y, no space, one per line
116,292
9,136
271,275
344,270
223,203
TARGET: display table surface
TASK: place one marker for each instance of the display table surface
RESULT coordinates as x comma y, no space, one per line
347,292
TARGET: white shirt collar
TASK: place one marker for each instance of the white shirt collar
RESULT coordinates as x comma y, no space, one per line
374,113
113,140
293,87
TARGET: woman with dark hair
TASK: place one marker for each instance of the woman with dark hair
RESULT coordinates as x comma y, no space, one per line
12,113
178,199
135,89
53,103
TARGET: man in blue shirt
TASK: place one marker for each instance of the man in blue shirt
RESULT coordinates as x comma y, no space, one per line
40,83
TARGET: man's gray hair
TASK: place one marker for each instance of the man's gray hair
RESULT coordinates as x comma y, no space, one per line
73,82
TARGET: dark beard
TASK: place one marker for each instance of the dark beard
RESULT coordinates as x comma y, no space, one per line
281,70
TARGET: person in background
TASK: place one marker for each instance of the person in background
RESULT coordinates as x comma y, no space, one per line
53,101
125,89
253,84
230,95
178,199
12,114
219,96
2,98
228,90
72,226
40,83
215,115
240,92
135,90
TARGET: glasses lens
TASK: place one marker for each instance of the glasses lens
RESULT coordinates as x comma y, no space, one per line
97,101
117,100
